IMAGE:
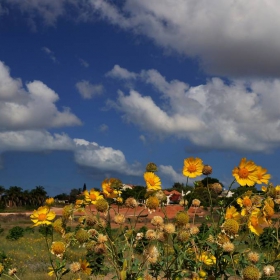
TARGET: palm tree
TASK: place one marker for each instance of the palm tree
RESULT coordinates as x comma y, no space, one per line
14,196
39,195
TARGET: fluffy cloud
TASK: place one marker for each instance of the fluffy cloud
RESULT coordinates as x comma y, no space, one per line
238,115
26,114
34,140
88,90
121,73
105,158
229,37
233,38
173,176
33,108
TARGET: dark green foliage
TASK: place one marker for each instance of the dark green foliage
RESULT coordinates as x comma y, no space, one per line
209,180
1,229
5,260
202,194
15,233
46,230
138,192
143,242
29,230
203,231
268,238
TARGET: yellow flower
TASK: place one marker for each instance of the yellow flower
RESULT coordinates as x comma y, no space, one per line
245,201
193,167
245,173
207,258
50,201
264,188
92,196
231,213
108,189
277,189
84,267
42,216
51,272
263,178
152,181
256,222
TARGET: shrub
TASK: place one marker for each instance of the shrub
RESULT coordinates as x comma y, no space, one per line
15,233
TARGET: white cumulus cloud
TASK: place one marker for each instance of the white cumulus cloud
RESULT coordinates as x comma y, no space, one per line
238,115
229,37
88,90
30,108
106,158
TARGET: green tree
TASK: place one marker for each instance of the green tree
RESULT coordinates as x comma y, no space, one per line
74,193
138,192
14,196
39,195
62,196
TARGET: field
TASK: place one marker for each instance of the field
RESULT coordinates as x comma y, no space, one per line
29,253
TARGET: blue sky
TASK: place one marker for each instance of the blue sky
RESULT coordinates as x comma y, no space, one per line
95,89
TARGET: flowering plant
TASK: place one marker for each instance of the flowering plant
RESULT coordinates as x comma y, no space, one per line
228,244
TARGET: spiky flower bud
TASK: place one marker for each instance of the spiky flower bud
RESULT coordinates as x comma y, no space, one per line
131,202
230,227
151,234
183,236
151,167
228,247
58,248
268,270
119,219
169,228
196,202
82,235
251,273
253,257
157,221
100,248
182,218
207,169
75,267
102,205
152,203
194,230
217,188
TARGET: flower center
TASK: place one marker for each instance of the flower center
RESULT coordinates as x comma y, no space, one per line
191,168
92,196
42,217
247,202
243,173
254,221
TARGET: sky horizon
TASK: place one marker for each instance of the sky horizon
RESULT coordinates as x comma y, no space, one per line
97,88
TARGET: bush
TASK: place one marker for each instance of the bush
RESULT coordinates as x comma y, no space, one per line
46,230
15,233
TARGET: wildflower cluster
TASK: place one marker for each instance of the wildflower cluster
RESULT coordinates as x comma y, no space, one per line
224,246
